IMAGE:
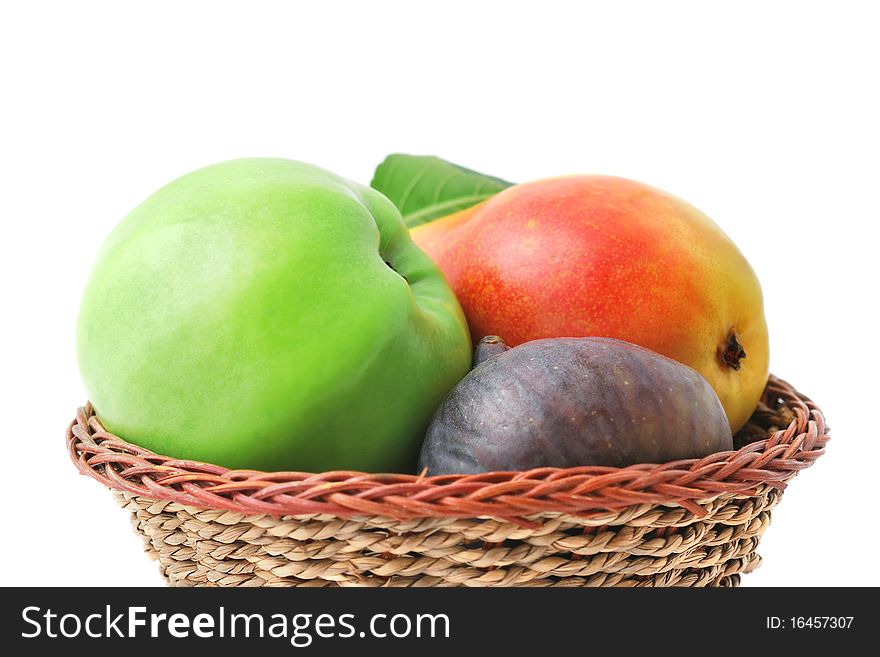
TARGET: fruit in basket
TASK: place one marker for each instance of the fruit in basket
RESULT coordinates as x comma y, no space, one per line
567,402
269,314
604,256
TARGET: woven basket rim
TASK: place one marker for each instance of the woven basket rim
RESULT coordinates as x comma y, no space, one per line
512,496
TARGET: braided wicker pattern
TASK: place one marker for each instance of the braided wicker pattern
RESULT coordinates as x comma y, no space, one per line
685,523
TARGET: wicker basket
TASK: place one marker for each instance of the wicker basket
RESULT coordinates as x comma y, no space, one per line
684,523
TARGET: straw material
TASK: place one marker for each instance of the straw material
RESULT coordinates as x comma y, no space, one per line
685,523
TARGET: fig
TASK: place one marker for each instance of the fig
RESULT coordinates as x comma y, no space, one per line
565,402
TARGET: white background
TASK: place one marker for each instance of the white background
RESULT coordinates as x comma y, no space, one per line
763,114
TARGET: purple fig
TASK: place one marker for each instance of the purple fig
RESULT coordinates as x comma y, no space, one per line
568,402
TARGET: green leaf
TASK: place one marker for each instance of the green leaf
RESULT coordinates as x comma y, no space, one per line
424,187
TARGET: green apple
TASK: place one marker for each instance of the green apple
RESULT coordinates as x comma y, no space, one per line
268,314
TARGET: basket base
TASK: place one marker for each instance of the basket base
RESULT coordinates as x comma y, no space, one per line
643,545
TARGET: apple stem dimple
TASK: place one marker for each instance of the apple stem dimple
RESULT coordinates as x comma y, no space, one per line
394,269
731,351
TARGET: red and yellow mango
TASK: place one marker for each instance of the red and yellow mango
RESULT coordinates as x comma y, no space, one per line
608,257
